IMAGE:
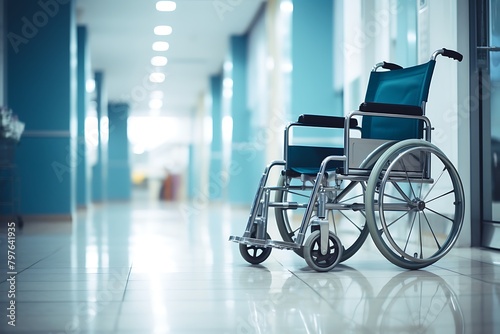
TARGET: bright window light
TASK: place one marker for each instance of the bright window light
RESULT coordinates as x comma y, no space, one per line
146,133
228,66
286,6
166,6
227,93
104,129
90,85
287,67
163,30
160,46
411,37
157,77
155,104
159,61
227,129
228,83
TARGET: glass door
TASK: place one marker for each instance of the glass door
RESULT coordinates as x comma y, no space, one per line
488,107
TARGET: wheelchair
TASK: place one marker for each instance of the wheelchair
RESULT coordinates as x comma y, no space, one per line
387,181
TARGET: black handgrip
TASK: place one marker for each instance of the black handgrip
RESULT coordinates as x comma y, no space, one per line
452,54
391,66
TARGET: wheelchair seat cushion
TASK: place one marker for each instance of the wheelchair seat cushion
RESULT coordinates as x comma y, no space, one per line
307,159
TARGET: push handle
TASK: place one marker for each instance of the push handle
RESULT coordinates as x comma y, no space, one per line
391,66
387,66
447,53
452,54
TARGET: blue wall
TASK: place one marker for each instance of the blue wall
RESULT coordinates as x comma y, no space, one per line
312,57
83,171
244,175
100,168
216,185
41,89
119,171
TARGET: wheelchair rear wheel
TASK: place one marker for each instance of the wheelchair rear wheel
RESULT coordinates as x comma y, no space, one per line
414,204
349,225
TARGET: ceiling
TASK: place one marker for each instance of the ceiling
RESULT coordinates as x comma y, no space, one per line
121,37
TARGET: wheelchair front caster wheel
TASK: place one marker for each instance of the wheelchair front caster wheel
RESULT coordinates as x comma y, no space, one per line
312,252
255,254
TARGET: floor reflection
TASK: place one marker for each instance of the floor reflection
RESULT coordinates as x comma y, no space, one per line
131,268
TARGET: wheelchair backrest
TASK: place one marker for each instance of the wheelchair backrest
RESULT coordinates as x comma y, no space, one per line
406,86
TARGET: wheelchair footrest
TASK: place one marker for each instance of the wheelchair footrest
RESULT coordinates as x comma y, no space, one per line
265,243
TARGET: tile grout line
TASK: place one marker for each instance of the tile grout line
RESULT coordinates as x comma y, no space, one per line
307,284
115,327
40,260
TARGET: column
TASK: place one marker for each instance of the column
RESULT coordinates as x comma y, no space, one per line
217,180
243,175
119,172
312,57
41,89
83,176
100,168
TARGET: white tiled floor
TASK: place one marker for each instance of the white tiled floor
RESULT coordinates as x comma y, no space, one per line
168,268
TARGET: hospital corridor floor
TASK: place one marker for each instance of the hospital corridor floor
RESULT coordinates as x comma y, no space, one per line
158,267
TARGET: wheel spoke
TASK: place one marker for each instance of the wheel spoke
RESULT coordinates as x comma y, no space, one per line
432,230
399,192
254,249
408,177
351,221
404,214
402,193
420,237
443,195
296,193
434,184
409,234
403,197
351,198
441,215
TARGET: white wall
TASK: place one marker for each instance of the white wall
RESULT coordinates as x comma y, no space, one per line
369,38
441,23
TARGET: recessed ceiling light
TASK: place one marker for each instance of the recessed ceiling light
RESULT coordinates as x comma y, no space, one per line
157,77
166,6
155,104
159,61
163,30
156,94
160,46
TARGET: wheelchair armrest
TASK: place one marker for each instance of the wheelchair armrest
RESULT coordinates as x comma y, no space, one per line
326,121
388,108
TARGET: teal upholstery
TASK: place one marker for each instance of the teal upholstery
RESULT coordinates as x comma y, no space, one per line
307,159
399,91
407,86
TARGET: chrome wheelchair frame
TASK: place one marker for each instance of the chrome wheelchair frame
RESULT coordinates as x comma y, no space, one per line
378,186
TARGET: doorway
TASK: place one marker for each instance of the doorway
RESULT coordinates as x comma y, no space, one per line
485,122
